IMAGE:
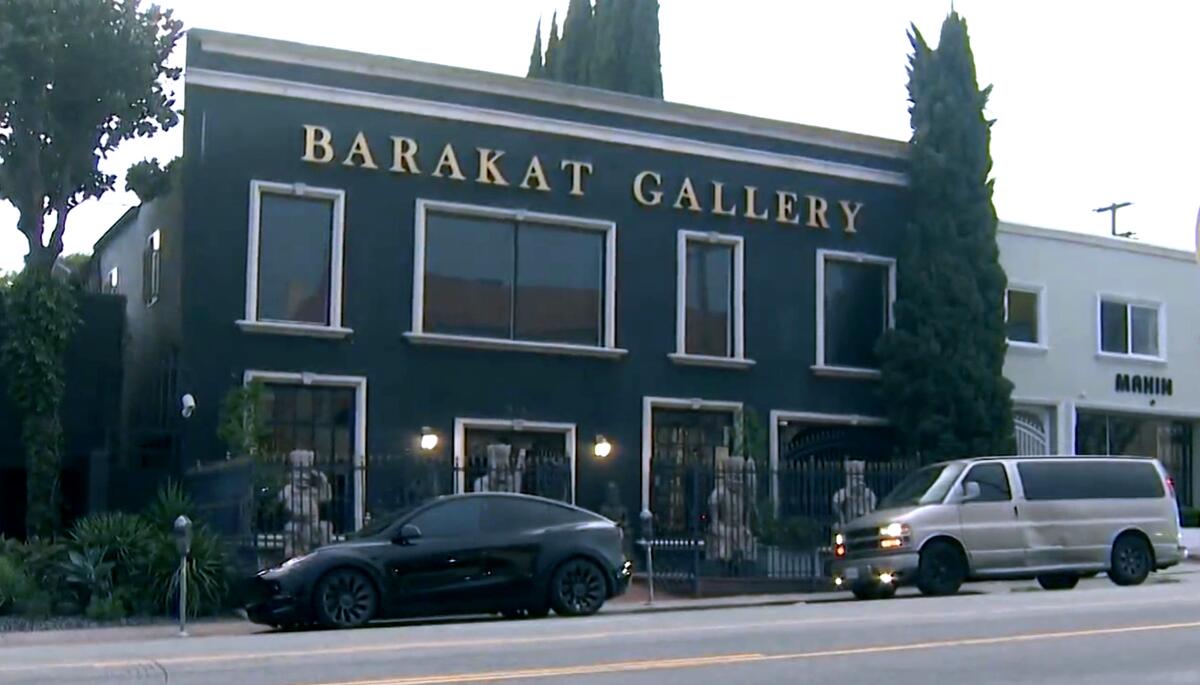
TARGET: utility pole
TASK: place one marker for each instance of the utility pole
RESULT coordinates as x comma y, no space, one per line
1113,210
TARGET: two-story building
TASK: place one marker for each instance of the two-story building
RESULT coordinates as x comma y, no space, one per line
1104,337
406,253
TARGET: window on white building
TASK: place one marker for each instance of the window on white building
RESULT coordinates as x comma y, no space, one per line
1128,328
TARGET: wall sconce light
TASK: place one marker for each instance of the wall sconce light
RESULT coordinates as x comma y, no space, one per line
602,448
429,439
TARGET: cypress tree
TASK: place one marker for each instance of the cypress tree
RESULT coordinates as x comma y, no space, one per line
577,42
552,67
535,58
943,380
643,75
608,61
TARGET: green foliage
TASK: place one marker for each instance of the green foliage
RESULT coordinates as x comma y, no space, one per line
148,180
15,584
750,437
943,381
169,503
793,532
614,46
536,67
110,608
207,569
88,573
78,78
40,314
125,539
1190,517
242,426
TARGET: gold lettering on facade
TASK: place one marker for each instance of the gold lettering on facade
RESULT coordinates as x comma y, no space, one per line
817,206
537,175
577,171
362,151
687,192
850,210
404,155
449,161
318,145
489,173
639,189
785,207
751,211
719,201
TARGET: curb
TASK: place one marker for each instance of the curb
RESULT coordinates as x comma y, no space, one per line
694,605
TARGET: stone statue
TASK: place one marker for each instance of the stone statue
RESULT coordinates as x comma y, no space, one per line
501,475
729,507
306,490
855,498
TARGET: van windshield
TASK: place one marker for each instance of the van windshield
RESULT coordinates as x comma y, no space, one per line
928,485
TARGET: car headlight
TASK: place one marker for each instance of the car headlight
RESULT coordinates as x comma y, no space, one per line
295,560
893,530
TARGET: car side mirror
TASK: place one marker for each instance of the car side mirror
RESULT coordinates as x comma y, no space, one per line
971,491
408,533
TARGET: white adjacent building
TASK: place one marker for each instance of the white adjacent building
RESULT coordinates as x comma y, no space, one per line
1104,340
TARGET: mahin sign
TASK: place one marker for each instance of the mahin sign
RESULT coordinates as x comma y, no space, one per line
649,188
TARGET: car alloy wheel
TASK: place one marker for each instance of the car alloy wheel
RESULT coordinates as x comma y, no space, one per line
578,589
346,599
1131,561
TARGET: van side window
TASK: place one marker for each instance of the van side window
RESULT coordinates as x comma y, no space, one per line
1090,479
993,482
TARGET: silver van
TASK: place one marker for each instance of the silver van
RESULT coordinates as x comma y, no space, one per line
1055,519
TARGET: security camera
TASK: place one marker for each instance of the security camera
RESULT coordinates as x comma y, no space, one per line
189,405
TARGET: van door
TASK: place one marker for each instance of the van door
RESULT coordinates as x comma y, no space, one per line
991,523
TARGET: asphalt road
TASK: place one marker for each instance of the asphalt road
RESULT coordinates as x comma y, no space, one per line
1096,634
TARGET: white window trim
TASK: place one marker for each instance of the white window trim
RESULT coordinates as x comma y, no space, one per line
1128,301
252,323
781,417
737,359
359,384
154,241
820,368
417,332
649,404
567,430
1043,342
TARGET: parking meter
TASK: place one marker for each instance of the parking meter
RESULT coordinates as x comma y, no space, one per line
647,520
182,532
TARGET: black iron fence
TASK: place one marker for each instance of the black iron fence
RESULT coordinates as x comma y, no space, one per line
731,522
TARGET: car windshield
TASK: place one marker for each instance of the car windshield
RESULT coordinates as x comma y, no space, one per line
924,486
382,522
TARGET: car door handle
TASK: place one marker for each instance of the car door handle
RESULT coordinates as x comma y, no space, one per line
1016,512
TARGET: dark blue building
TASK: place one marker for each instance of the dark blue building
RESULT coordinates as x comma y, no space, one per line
394,247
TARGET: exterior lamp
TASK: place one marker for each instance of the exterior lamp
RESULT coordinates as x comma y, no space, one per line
603,447
429,439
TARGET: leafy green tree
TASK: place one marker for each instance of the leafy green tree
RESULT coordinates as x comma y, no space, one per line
77,78
148,180
535,58
943,379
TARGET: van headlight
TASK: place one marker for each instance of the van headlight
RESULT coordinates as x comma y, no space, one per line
893,530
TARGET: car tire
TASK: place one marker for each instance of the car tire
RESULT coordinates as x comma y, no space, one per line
345,598
1131,562
942,569
868,591
1058,581
577,588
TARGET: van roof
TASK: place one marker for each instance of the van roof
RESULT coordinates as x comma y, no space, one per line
1032,457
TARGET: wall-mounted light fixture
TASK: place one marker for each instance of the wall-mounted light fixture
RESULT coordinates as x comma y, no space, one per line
429,439
602,448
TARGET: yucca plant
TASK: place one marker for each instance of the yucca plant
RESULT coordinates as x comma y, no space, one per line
88,573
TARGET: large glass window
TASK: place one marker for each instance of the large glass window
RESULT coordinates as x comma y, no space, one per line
1172,441
1129,328
1083,479
310,417
1021,316
515,280
295,246
856,310
459,518
708,313
534,462
992,480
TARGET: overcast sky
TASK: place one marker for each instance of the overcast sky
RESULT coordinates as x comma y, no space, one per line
1091,97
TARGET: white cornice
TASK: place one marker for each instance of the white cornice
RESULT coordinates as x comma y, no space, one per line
1100,241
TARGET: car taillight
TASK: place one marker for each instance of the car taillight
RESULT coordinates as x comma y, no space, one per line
1171,485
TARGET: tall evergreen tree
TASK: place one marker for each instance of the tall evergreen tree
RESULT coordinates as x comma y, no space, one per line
552,67
535,57
607,61
943,379
577,42
643,74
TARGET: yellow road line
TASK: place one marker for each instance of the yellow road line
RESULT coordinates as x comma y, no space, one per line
728,659
395,647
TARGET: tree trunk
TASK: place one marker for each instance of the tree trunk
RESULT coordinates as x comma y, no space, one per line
40,259
42,438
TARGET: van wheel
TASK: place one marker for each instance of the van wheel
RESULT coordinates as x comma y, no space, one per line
942,569
865,591
1131,561
1058,581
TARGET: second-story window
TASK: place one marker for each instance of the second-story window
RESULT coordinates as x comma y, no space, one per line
151,268
855,294
709,316
1130,328
1022,320
111,281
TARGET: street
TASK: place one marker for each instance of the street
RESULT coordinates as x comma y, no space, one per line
993,634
